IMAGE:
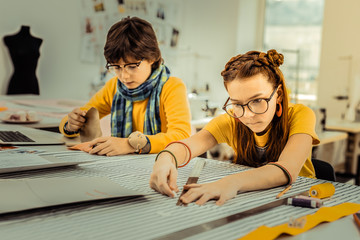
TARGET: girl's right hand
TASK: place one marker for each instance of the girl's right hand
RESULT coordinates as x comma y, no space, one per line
164,176
76,119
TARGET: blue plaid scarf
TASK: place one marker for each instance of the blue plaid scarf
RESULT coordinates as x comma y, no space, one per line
122,107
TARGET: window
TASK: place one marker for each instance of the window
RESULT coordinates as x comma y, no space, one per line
293,28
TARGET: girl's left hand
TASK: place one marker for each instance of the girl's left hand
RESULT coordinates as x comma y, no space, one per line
110,146
222,190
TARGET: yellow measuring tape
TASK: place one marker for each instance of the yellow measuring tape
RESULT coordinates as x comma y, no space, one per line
324,214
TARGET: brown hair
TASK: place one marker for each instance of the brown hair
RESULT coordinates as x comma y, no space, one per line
132,38
245,66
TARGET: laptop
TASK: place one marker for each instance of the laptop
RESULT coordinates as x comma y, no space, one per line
26,136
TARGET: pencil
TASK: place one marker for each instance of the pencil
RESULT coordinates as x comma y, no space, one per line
284,191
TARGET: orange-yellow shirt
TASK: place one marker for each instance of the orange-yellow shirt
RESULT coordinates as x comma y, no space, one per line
301,118
174,112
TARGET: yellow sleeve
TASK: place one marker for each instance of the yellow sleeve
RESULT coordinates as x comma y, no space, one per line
174,113
102,101
222,128
302,120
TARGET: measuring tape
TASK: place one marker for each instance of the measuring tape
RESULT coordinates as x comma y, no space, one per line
323,190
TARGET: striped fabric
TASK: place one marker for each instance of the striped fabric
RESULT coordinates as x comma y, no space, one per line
122,107
154,215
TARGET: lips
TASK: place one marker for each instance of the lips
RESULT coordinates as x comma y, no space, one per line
128,83
252,123
131,85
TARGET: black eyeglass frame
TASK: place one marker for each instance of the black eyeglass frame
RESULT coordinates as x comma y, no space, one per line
247,104
108,65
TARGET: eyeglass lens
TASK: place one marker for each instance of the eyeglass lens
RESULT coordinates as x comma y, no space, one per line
257,106
131,68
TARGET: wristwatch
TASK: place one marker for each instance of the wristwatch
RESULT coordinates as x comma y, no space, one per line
67,132
139,142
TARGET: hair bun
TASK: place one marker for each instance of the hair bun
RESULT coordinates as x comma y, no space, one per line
275,58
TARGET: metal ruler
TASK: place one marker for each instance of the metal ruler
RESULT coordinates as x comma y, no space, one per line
187,232
193,178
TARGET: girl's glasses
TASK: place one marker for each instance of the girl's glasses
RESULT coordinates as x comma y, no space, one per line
257,106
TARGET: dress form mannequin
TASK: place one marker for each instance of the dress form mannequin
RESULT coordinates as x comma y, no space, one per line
24,53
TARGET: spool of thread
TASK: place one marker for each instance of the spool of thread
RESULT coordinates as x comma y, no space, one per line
301,202
323,190
318,201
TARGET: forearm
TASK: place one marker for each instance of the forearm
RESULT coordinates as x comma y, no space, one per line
159,141
181,152
197,144
264,177
295,153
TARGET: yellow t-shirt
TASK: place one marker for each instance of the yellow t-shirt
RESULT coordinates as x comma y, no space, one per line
174,112
301,118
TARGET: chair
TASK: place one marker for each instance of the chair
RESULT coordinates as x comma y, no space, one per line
323,170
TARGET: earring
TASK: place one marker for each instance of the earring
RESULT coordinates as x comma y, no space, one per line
278,109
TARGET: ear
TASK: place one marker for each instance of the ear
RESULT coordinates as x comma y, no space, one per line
280,94
150,61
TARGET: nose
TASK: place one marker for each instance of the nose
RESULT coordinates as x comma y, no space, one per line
122,74
248,113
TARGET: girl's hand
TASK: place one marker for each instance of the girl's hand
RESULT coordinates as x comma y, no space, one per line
110,146
222,190
76,119
164,175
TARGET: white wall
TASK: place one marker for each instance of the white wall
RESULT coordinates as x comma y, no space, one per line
208,39
208,42
250,33
340,56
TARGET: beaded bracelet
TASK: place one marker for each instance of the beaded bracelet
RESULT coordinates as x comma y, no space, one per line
176,163
284,170
186,147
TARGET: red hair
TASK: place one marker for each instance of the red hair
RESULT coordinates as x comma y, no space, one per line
245,66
